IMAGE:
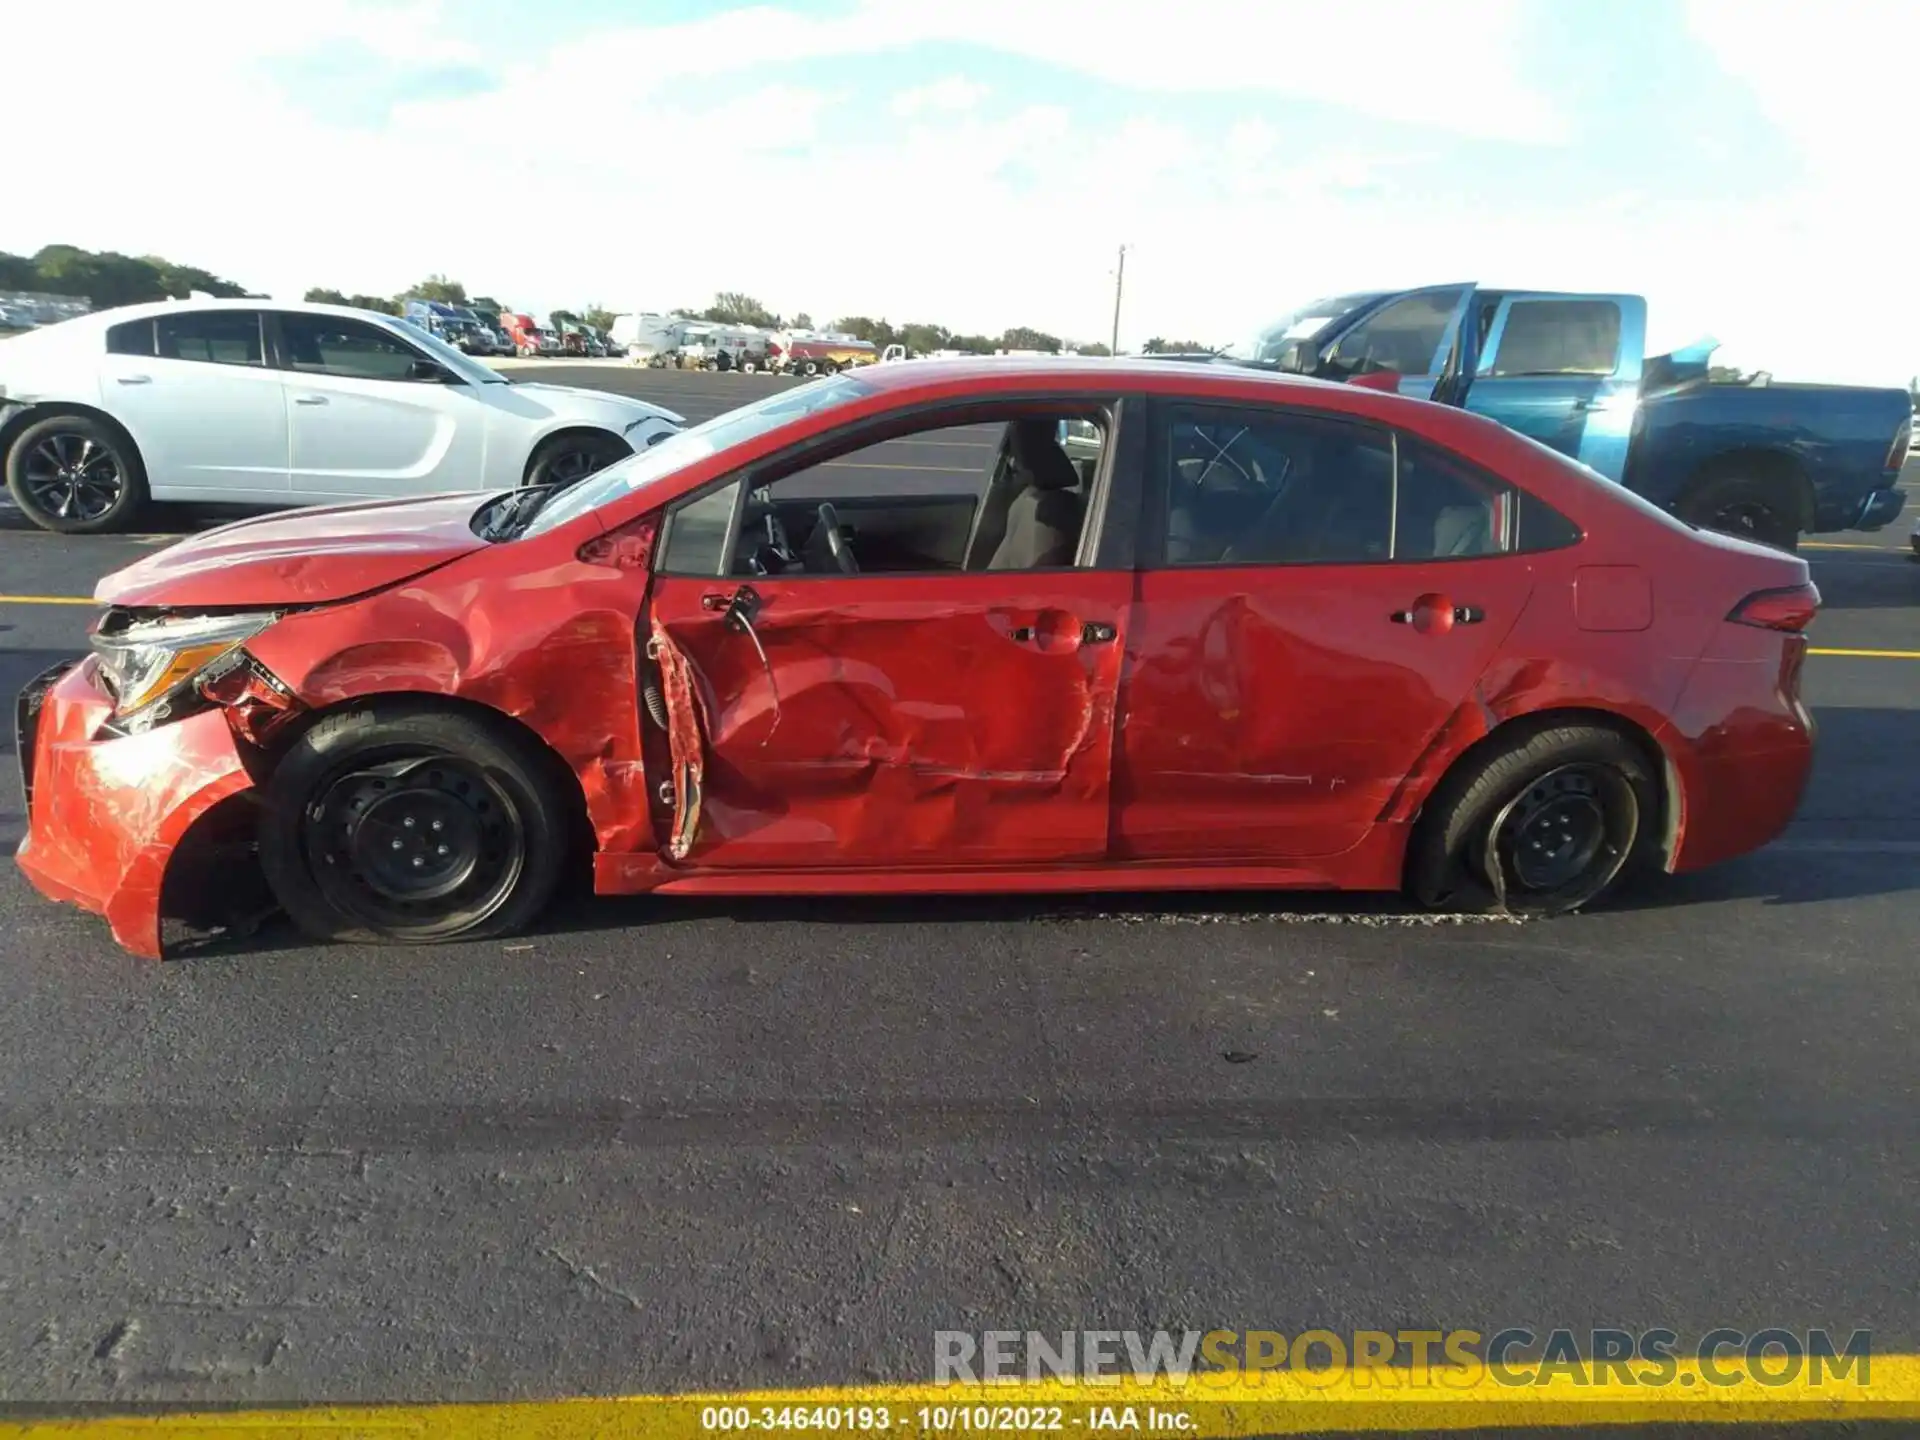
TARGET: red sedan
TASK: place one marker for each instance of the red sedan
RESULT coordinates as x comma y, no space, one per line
1253,632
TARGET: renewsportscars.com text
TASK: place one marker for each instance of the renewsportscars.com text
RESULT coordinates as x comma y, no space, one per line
1515,1356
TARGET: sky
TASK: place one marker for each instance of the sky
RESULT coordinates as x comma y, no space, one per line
1741,163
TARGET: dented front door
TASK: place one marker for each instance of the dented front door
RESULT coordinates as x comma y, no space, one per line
882,720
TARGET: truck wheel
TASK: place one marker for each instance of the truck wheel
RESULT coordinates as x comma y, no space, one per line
810,368
76,475
1754,508
1541,825
748,367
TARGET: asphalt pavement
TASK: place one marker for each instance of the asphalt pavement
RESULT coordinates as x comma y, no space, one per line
667,1145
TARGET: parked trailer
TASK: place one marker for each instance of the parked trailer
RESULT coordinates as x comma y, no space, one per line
723,347
793,354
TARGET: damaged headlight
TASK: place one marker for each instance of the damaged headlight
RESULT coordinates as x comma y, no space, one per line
146,663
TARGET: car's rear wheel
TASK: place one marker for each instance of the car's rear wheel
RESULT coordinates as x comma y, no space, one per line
1547,823
76,475
412,823
568,459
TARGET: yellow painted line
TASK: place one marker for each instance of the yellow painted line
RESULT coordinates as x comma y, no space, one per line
47,600
1845,545
1867,654
1359,1400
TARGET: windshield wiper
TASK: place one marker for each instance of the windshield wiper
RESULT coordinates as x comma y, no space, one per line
515,512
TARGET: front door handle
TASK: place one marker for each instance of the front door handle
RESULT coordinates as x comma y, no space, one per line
1092,632
309,399
134,379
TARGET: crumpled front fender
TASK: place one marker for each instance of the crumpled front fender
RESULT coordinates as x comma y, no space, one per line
107,814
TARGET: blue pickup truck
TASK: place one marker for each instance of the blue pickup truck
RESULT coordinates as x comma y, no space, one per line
1764,460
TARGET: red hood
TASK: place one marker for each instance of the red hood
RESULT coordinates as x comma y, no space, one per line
303,557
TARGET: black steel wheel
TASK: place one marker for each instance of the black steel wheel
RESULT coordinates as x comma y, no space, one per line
75,475
1753,508
1562,839
1541,821
413,823
568,459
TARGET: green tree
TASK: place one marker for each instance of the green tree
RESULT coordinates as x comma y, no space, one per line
731,307
17,272
564,317
920,338
970,344
320,296
439,287
1160,346
599,317
803,321
487,306
1024,337
1096,348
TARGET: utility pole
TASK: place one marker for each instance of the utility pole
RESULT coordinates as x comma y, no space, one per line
1119,279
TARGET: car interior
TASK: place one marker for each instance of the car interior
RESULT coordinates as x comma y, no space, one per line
1025,509
1254,493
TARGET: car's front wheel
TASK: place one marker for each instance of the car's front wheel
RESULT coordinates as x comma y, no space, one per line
568,459
1544,824
76,475
413,823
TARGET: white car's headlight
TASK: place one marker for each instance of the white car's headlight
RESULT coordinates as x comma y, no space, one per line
147,663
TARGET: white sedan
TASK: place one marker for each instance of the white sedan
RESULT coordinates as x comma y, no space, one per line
262,403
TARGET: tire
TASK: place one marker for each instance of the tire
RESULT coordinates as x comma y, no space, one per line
749,367
569,458
81,463
1751,507
393,781
1584,796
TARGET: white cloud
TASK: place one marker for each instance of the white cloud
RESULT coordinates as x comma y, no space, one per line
678,179
952,96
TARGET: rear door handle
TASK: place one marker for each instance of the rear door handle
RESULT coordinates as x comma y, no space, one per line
133,379
309,399
1462,615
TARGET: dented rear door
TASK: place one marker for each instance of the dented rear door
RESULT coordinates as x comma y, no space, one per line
894,720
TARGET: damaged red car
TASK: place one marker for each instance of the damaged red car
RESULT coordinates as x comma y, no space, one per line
1137,626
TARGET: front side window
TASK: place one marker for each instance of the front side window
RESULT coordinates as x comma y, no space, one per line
1559,337
213,337
1402,337
689,447
352,349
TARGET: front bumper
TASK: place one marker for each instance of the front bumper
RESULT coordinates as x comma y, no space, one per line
106,813
1880,509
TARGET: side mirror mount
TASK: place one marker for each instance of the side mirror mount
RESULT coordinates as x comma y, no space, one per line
428,373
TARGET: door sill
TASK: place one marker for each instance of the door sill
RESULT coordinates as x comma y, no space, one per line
627,874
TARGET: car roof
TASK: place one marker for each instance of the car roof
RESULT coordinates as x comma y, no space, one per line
149,308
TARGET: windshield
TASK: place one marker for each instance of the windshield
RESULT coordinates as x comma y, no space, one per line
1267,346
461,364
689,447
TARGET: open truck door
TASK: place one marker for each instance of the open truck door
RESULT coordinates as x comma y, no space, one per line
1411,344
1562,369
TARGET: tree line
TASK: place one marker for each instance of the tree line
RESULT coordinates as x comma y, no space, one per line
107,278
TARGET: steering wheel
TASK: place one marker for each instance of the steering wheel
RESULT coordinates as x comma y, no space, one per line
837,545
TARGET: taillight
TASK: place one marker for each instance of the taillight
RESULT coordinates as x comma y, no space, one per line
1897,452
1790,608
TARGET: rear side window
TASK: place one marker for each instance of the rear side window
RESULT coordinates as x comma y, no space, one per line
131,337
1254,488
1559,337
1447,509
215,337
